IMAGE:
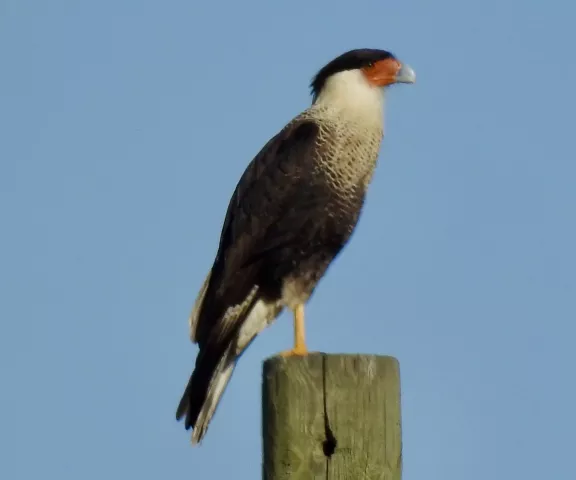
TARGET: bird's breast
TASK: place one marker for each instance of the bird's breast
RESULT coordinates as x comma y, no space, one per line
347,153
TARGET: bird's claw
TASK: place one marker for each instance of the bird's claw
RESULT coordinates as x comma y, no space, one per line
297,351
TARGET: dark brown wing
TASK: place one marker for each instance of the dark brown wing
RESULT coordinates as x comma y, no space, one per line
275,189
270,203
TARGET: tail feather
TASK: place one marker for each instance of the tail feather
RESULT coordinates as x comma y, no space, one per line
203,394
216,361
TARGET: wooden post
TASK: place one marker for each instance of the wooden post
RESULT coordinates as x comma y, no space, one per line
331,417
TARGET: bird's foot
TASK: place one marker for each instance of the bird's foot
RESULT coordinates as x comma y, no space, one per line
298,351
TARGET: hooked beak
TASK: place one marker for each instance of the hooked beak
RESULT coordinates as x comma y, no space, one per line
405,75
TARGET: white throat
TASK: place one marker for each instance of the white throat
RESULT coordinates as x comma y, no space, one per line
350,93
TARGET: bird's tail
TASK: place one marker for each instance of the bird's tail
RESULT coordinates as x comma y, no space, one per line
203,392
215,364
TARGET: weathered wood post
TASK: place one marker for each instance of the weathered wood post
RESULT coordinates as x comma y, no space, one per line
331,417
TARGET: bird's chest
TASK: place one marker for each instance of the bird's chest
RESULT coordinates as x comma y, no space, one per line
349,157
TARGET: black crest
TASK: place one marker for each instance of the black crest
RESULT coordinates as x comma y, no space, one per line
347,61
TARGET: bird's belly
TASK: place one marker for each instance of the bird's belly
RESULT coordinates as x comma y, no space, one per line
302,264
297,287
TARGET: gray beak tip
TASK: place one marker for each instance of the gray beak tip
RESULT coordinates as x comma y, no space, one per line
406,75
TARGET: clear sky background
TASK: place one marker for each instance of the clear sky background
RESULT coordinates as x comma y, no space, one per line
125,126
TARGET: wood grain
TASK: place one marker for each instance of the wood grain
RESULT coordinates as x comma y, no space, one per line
331,417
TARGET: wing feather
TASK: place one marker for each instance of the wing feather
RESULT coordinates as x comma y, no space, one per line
193,319
265,194
267,207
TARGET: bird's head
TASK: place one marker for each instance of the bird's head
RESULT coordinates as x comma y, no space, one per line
358,70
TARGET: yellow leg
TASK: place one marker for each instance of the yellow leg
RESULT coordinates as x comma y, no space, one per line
299,334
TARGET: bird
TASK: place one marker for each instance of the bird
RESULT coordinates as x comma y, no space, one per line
292,212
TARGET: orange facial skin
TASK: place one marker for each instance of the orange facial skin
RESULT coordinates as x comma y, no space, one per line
383,72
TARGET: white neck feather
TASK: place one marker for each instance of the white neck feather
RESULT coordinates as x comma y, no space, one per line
351,95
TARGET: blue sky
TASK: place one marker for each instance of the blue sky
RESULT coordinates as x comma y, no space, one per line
125,126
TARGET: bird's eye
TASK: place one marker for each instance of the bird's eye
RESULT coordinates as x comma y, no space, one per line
370,65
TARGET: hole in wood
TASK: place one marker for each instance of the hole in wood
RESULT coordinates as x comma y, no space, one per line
329,445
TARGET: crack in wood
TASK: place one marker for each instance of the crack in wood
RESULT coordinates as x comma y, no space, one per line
329,444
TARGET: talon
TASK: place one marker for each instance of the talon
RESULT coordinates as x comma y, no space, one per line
295,352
